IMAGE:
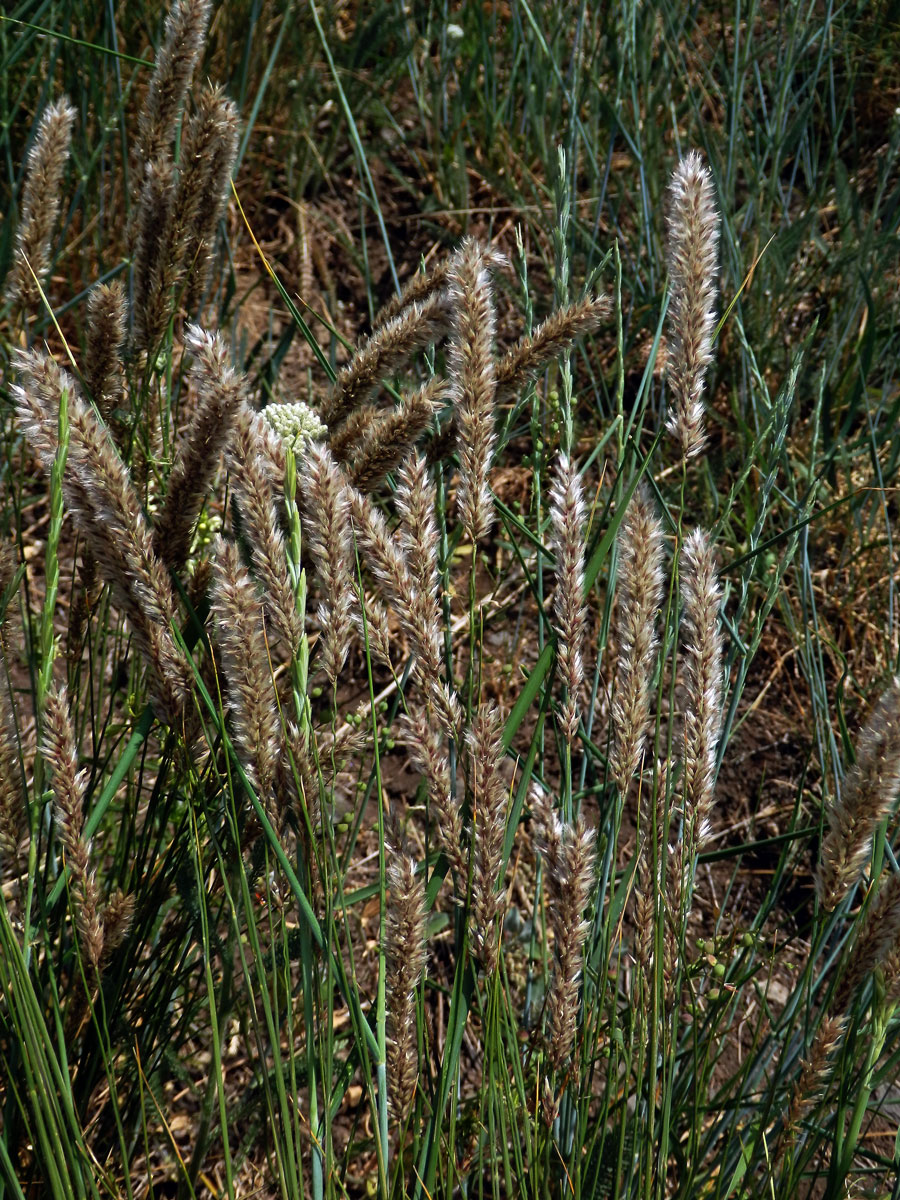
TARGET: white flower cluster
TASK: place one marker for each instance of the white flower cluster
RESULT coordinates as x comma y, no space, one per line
294,423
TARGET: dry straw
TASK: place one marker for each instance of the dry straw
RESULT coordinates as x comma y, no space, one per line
866,797
693,227
40,205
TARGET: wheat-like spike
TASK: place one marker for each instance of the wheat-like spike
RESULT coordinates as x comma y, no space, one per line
808,1088
220,392
417,609
106,509
548,839
522,362
245,660
702,598
210,134
251,480
426,749
13,823
567,517
40,205
473,385
214,183
154,207
416,501
382,355
573,888
328,537
693,227
405,952
13,803
183,42
640,586
484,752
867,796
878,939
117,916
418,288
103,370
352,433
390,437
374,628
69,794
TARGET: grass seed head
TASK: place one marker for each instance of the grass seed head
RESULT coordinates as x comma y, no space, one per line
693,229
40,205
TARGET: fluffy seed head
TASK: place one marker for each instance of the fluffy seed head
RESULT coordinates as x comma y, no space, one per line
693,227
220,392
867,796
640,591
702,598
567,517
40,205
183,41
484,748
327,511
473,384
405,953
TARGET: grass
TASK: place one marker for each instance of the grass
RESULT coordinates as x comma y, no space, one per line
240,1037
